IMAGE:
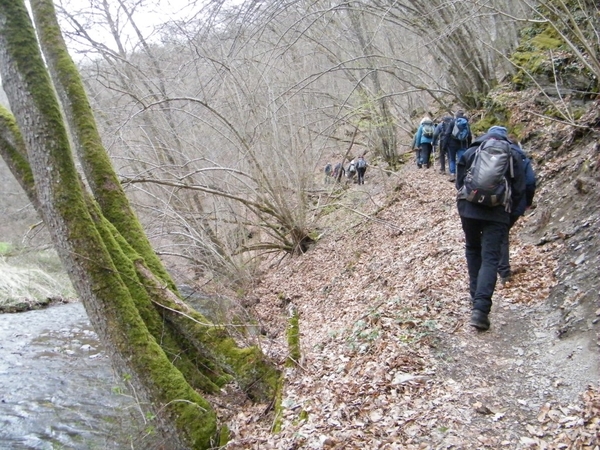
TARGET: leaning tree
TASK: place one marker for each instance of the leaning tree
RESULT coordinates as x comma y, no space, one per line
170,353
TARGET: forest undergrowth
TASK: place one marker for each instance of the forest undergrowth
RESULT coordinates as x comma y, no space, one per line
388,358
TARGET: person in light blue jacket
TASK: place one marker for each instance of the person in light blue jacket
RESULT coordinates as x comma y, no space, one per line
422,142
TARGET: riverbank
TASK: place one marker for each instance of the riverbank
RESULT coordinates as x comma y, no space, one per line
32,280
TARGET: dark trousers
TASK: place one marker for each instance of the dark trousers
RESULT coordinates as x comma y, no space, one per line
361,174
443,151
504,264
425,154
482,249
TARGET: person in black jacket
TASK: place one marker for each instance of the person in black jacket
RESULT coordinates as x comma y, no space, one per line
517,211
361,168
440,139
484,228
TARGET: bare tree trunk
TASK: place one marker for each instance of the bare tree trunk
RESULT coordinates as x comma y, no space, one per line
383,120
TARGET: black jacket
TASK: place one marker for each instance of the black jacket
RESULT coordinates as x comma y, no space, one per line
497,213
442,132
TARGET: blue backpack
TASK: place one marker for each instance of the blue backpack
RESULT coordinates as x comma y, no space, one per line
461,129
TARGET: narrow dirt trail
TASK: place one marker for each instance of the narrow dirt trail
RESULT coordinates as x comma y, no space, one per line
389,360
514,375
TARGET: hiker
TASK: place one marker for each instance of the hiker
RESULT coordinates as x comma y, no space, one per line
328,173
485,217
422,142
351,171
338,172
517,211
457,141
440,139
361,168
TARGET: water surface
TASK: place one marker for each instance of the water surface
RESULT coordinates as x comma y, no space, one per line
57,387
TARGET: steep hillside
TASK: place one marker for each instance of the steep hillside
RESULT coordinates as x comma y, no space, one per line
388,359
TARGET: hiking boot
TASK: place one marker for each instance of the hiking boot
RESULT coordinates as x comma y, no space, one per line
452,177
442,171
419,165
479,320
505,279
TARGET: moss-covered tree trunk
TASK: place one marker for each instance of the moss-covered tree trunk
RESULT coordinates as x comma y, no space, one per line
170,352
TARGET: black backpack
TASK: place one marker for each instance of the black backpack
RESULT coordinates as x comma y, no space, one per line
446,130
485,181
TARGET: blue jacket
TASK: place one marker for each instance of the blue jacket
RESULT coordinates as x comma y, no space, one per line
497,213
530,183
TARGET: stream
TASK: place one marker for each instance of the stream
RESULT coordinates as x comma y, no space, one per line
57,387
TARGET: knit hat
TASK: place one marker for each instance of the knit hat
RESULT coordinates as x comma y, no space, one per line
425,119
501,131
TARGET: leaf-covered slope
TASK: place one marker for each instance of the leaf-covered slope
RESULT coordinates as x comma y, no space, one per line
388,358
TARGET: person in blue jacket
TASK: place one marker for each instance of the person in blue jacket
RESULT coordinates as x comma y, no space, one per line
422,142
517,211
456,147
484,229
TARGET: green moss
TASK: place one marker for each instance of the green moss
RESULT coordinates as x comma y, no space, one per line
552,111
497,112
5,247
532,56
578,113
95,161
224,436
547,40
406,158
293,338
278,408
251,370
12,149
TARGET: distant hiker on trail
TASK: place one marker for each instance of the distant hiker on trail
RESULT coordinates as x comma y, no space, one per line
440,139
517,211
490,179
361,168
422,142
328,173
338,172
459,138
351,171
